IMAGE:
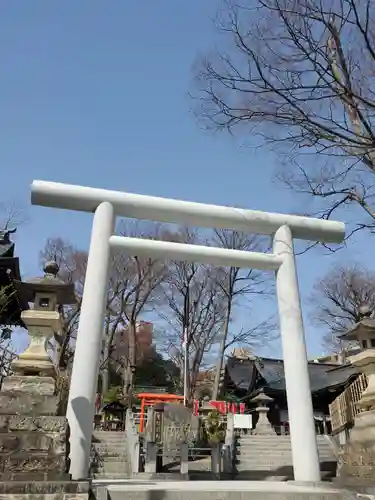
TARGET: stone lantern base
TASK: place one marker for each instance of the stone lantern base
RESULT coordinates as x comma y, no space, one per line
34,442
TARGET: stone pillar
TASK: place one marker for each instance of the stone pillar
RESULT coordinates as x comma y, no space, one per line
263,428
184,459
84,379
300,410
151,457
216,460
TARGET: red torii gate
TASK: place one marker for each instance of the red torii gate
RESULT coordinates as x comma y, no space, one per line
150,399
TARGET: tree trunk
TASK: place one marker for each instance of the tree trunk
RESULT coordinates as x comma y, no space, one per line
105,370
219,364
130,367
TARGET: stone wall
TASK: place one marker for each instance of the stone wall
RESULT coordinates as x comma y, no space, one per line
34,442
33,438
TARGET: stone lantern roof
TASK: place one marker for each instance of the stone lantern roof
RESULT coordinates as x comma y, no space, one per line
49,283
262,398
364,330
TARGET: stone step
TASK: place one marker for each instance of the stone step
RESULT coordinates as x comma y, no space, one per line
112,437
249,465
276,439
102,448
110,475
262,447
258,447
223,490
112,458
275,458
263,476
258,453
111,461
275,446
108,446
112,455
268,466
108,433
265,439
283,468
160,476
250,457
285,456
109,468
109,440
104,437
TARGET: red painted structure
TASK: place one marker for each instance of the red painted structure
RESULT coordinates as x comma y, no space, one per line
223,407
150,399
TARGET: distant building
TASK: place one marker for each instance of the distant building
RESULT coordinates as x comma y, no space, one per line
245,377
144,338
143,332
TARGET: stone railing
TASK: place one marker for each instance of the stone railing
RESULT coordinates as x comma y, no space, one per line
228,450
344,408
132,442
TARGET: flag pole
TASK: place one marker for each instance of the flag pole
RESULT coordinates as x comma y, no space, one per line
185,345
186,372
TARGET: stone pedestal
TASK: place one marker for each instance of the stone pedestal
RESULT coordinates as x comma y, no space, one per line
357,459
35,360
34,442
356,463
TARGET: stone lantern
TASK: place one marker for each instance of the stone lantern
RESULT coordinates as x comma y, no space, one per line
34,437
263,426
43,320
363,432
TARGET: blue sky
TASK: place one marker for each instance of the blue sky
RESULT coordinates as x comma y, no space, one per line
95,93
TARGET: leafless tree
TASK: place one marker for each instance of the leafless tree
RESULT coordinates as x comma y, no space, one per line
235,285
7,353
300,74
193,314
133,283
337,298
11,215
136,285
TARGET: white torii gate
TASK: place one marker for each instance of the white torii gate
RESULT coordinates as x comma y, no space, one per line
106,205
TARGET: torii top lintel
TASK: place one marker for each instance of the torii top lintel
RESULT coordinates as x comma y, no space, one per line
86,199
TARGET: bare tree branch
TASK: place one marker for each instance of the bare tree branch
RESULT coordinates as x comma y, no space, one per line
235,284
194,305
337,298
300,74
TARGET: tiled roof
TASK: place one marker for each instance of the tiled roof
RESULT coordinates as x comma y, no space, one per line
270,373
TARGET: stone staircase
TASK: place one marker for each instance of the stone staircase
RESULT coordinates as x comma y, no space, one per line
269,458
108,456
